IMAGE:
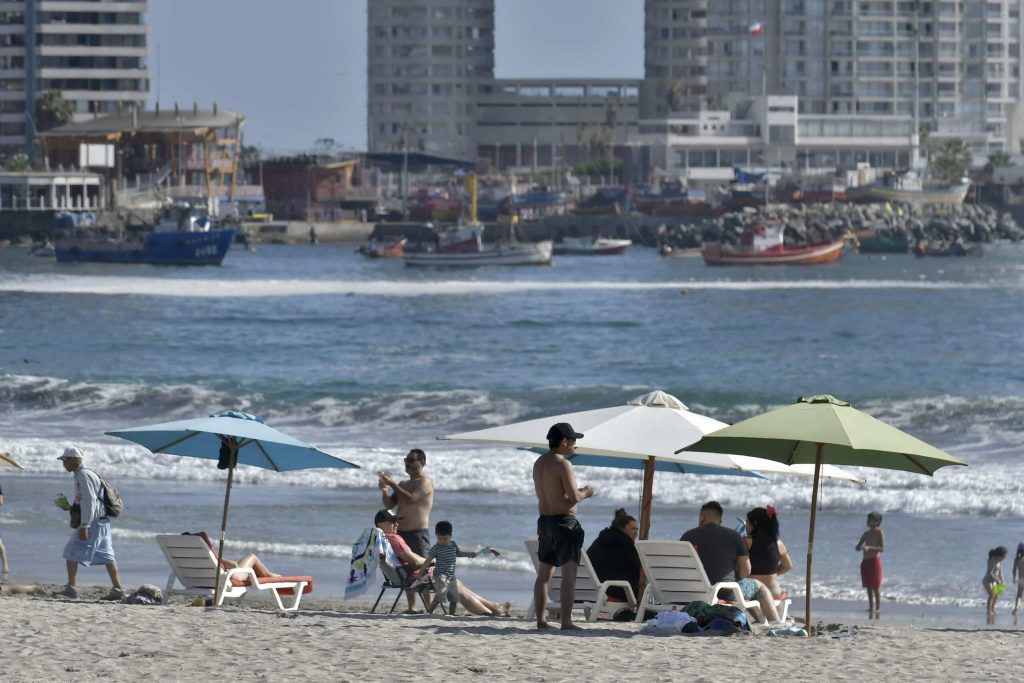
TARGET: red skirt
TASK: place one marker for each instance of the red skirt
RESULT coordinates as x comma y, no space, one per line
871,573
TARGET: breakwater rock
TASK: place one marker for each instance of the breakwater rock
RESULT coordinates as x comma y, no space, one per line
824,222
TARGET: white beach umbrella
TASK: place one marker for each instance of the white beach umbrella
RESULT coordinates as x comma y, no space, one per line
646,429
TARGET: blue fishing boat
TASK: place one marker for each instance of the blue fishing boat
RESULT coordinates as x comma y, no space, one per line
158,248
183,237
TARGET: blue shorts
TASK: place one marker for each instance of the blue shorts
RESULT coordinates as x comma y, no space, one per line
749,588
97,549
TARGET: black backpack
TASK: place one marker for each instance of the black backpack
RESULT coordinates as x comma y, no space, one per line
111,498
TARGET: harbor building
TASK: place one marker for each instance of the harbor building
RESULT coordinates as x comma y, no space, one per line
551,123
93,52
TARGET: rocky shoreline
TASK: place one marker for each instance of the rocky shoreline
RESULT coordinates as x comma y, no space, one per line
815,223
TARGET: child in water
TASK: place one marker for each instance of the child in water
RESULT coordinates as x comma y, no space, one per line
1018,575
994,578
872,543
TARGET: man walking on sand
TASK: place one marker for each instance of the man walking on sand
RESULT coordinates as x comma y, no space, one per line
414,498
90,542
559,534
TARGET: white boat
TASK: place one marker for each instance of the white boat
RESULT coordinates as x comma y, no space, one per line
588,246
462,245
907,187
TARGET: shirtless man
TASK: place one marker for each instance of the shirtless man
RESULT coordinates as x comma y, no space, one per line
559,534
414,497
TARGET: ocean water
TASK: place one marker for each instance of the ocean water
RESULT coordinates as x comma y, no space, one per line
367,359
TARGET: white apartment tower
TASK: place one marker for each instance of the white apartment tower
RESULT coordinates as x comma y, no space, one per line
954,65
427,61
93,51
676,43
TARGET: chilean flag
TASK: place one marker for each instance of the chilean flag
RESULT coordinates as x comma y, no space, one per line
757,29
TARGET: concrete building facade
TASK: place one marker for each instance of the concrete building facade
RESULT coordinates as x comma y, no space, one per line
94,52
952,65
883,68
427,64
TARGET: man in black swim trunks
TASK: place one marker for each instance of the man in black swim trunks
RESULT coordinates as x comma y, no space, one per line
413,499
559,533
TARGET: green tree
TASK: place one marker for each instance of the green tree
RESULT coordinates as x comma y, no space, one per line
715,103
52,110
251,154
325,147
15,163
675,94
952,161
603,166
998,160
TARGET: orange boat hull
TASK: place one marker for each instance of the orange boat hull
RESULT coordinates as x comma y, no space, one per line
715,255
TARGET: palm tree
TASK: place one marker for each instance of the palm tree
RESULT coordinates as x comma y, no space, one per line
953,160
52,110
675,94
998,160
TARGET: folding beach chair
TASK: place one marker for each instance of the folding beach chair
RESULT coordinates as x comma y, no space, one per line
397,577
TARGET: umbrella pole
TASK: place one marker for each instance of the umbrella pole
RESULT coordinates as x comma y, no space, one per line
224,525
810,538
645,498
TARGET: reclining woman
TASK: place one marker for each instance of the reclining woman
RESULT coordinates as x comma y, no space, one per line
387,522
614,557
247,561
769,557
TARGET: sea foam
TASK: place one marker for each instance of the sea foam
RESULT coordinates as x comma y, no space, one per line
257,288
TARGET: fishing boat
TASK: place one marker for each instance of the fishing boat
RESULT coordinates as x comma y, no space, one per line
462,245
674,200
907,187
822,193
388,250
679,252
532,205
182,237
873,243
763,245
947,248
590,246
606,201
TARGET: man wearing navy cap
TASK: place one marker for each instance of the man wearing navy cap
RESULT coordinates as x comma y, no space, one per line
559,533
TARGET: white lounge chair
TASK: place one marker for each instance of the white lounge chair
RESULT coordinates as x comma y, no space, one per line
193,565
591,594
675,576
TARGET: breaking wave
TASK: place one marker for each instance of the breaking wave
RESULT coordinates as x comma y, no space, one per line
256,288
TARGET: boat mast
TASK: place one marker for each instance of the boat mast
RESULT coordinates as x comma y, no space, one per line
471,185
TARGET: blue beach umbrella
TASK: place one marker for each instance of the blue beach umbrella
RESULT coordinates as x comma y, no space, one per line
231,438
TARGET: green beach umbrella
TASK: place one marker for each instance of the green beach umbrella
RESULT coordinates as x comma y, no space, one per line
824,430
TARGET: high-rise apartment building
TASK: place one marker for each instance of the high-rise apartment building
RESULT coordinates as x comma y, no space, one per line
427,62
954,65
93,51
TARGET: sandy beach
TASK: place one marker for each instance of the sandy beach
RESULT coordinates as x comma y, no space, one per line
50,639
